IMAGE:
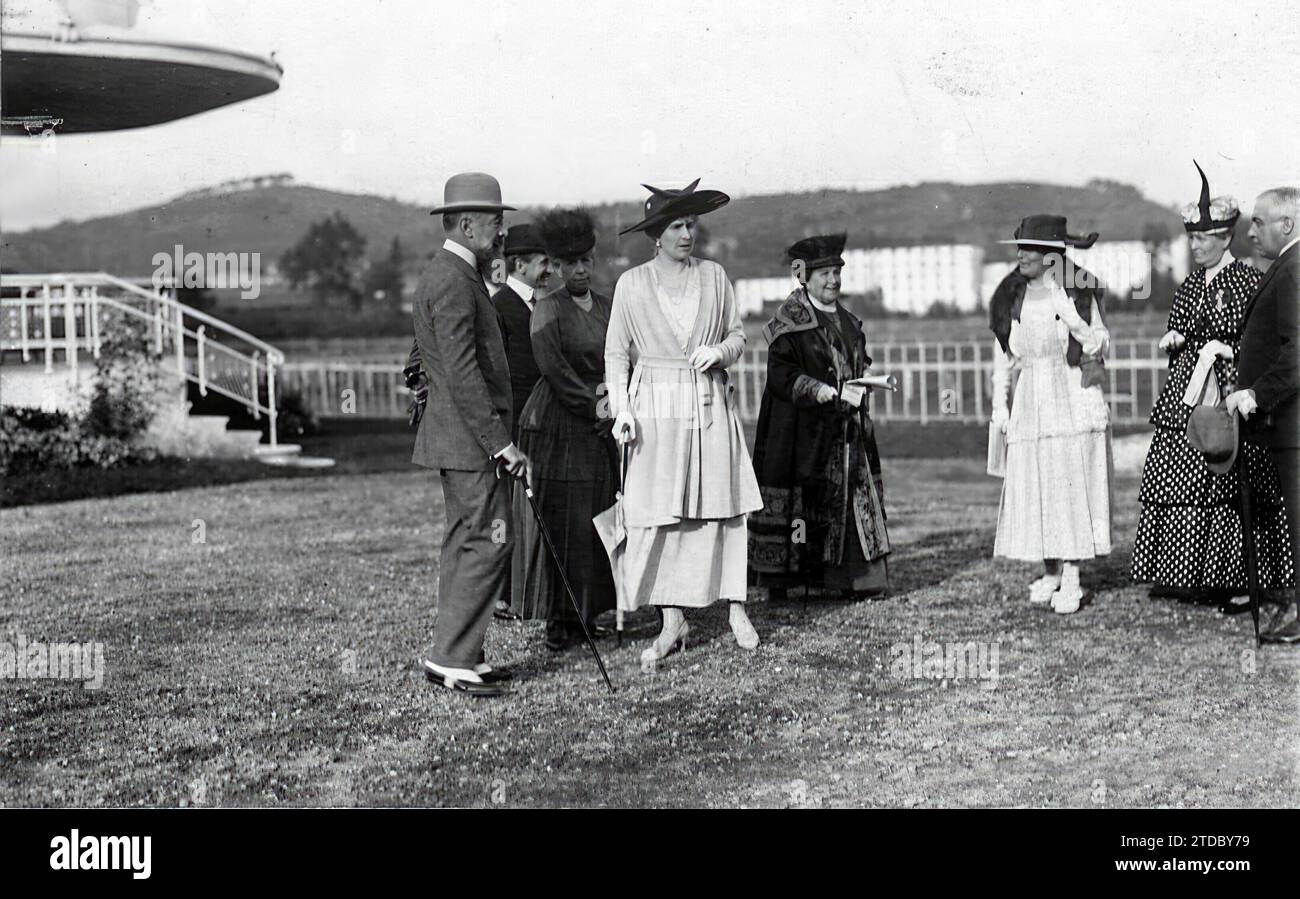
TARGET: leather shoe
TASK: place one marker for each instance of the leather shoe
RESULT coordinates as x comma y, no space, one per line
1228,607
470,688
1287,635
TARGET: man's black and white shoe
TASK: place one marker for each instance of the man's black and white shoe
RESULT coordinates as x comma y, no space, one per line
462,680
490,675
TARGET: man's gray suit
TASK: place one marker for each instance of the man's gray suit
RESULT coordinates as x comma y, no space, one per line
467,420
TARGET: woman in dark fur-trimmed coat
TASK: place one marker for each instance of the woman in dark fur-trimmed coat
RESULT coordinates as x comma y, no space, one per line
823,517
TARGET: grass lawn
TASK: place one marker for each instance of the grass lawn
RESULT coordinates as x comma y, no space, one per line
275,664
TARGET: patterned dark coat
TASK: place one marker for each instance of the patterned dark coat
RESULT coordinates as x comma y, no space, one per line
813,461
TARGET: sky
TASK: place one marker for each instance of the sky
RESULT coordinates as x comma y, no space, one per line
570,102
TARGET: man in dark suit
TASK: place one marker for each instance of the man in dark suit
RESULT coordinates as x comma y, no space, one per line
465,432
1268,375
527,266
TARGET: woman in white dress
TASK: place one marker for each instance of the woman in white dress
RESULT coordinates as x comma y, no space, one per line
674,330
1056,497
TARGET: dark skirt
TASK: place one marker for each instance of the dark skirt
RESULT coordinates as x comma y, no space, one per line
1189,534
568,497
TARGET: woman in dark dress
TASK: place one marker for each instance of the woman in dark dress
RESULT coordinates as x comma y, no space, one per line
569,442
823,517
1189,537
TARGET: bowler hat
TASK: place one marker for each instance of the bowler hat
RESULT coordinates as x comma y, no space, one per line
665,205
1213,431
523,240
1049,231
471,192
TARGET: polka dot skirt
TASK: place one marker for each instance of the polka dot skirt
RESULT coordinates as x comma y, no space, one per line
1189,533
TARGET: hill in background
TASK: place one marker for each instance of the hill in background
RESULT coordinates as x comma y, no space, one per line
267,215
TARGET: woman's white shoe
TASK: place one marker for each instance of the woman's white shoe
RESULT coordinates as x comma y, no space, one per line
1066,600
670,640
746,636
1042,590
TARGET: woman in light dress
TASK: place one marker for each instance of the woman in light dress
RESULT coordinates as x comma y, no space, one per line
1047,315
689,486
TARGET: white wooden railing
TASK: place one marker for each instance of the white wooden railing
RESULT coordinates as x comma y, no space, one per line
62,316
948,381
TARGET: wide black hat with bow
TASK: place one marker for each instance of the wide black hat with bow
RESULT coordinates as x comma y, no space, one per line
1049,231
1219,214
819,251
664,206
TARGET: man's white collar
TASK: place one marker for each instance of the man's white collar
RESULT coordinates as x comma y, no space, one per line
463,252
525,292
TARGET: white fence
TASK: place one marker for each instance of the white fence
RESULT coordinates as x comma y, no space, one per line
62,316
937,382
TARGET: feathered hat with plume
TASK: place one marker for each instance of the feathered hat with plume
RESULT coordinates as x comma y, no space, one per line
1219,214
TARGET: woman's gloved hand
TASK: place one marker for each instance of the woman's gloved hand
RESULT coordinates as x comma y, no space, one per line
624,428
826,393
1001,415
1216,348
705,358
1172,342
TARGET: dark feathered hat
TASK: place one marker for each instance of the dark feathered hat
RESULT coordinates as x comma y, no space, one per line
665,205
567,233
1219,214
1049,231
819,251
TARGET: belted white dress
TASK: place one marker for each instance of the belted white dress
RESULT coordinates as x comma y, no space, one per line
690,483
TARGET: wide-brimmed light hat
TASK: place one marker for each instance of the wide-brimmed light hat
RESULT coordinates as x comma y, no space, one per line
665,206
471,192
1049,231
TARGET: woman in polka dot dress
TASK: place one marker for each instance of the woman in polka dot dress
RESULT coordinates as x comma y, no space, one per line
1189,537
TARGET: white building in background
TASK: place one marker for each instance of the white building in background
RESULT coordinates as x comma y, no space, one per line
910,279
1124,266
752,293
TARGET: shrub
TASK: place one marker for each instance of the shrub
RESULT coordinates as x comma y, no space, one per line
34,441
124,398
293,417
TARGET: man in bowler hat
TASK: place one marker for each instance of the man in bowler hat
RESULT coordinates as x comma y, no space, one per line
1268,367
465,432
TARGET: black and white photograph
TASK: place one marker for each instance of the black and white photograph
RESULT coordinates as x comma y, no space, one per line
727,405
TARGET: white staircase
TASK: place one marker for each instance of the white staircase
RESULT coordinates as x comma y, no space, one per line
51,330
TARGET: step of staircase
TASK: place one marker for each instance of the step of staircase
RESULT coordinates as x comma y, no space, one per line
265,450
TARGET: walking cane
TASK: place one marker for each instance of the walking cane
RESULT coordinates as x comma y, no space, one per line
546,537
1248,540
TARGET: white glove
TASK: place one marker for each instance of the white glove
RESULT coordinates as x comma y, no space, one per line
705,358
1216,348
1001,415
826,393
1242,402
624,427
1172,342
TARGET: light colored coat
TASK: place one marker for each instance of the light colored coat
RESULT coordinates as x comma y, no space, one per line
689,459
